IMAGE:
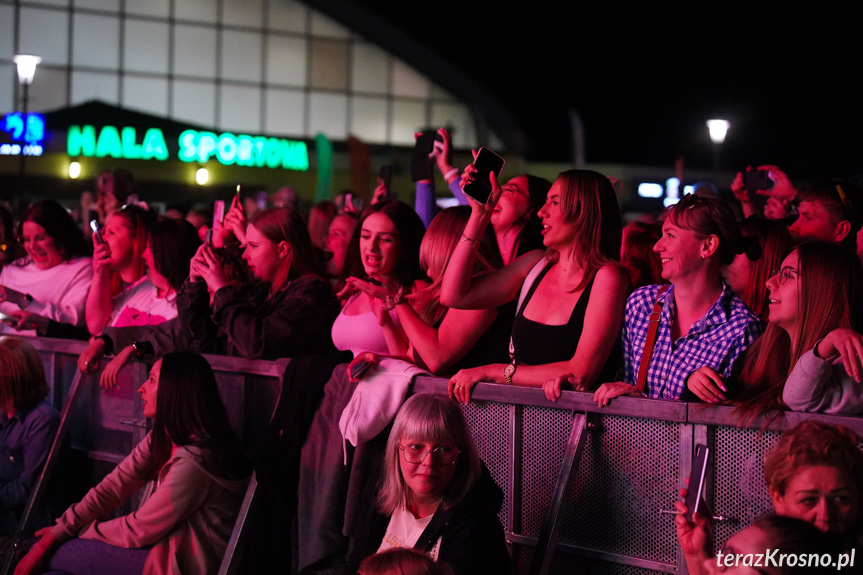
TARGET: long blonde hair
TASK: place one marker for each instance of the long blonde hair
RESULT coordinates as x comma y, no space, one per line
442,236
587,199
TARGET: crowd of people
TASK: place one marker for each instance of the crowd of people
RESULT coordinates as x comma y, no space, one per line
540,286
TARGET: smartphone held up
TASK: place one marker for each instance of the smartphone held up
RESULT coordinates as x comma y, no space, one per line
485,162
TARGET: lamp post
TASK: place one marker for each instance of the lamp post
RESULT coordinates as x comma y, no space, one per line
26,64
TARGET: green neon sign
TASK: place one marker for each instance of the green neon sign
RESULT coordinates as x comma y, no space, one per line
242,150
113,143
194,146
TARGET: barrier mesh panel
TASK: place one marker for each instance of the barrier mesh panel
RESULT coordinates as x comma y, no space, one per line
101,419
573,565
740,492
545,432
489,427
628,473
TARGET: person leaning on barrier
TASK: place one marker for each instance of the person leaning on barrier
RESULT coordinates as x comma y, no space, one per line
384,250
200,472
814,473
443,339
570,298
149,342
53,279
28,424
287,312
703,326
810,358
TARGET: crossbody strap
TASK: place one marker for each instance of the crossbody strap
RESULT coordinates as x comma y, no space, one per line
652,329
433,530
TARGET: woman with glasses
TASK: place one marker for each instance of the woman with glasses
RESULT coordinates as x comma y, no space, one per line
53,278
436,495
766,243
812,339
700,326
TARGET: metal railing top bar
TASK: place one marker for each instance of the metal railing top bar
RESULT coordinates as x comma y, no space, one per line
673,411
64,346
703,414
242,365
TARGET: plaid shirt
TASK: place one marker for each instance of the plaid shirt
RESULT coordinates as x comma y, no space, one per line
714,340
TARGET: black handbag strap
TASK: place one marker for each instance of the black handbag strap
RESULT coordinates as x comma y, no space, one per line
433,530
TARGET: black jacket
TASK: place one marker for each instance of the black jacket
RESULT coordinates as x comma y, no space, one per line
244,321
472,540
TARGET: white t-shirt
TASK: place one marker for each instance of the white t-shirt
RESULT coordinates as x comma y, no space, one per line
139,304
59,292
404,530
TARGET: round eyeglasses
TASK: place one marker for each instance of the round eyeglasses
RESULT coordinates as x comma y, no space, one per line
416,453
784,274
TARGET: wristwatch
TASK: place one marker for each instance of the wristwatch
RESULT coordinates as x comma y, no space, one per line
508,371
142,349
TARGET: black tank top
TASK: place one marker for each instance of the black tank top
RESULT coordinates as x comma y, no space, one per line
536,343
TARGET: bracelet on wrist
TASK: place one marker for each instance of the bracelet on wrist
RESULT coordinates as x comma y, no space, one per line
392,301
449,174
464,238
109,343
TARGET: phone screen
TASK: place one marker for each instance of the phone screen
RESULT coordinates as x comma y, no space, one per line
697,478
97,236
754,180
421,164
486,161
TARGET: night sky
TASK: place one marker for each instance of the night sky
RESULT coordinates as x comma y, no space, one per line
645,77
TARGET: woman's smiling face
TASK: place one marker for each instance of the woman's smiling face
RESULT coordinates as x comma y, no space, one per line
40,246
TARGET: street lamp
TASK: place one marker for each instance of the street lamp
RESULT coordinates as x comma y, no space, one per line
718,129
26,72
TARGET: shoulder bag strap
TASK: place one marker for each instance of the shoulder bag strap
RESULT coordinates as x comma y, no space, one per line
652,328
433,530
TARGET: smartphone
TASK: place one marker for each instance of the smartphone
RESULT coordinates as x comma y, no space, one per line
421,164
218,212
697,477
359,369
97,235
486,161
208,239
754,180
238,194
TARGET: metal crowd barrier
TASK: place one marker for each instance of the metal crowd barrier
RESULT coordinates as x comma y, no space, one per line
587,489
